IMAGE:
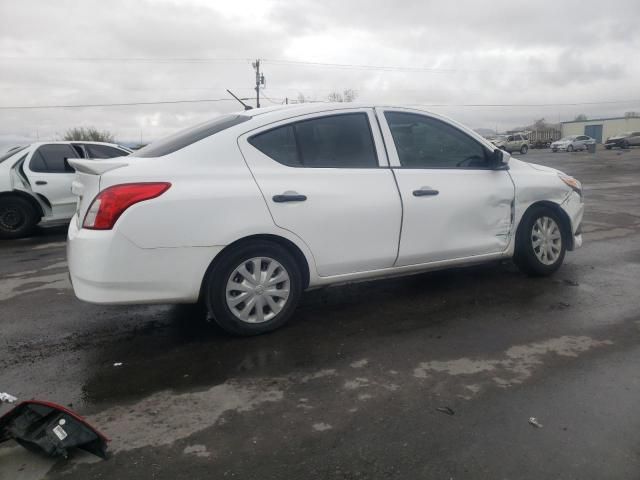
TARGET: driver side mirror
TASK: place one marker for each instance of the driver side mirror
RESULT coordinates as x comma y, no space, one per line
500,159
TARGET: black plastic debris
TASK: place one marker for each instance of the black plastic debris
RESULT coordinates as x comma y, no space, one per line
51,429
447,410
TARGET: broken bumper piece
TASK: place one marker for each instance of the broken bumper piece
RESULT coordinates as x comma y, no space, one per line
51,429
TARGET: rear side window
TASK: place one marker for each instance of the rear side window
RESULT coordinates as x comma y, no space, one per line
104,151
335,141
189,136
51,159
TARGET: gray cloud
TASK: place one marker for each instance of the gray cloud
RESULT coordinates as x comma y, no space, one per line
499,52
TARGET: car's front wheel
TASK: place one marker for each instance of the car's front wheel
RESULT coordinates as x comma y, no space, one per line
17,217
524,149
540,242
570,148
254,288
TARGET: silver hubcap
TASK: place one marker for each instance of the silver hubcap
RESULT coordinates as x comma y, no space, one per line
258,290
546,240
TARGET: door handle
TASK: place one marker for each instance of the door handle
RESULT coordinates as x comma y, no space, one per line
425,192
289,197
41,182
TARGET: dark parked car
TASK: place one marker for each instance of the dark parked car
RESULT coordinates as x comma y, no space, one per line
623,140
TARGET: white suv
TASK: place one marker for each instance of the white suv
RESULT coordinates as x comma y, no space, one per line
35,182
245,212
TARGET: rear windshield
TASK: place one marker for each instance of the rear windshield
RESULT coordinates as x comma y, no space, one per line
11,153
186,137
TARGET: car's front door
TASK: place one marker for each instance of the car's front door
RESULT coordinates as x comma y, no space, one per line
455,205
325,177
51,177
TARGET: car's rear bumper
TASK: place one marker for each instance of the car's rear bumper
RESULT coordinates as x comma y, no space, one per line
106,267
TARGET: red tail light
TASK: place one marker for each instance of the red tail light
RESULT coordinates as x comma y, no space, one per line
107,207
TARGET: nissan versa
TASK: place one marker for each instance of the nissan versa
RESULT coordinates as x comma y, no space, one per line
248,210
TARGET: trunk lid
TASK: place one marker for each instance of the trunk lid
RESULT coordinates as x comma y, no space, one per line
86,184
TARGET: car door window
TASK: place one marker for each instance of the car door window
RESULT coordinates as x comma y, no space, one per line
424,142
51,159
104,151
334,141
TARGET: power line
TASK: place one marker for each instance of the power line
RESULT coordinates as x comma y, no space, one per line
127,59
212,100
402,68
91,105
527,104
282,62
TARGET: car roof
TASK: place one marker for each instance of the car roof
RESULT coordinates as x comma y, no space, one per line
282,112
72,142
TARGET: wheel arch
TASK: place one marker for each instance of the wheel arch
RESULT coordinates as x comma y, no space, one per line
32,200
565,221
291,247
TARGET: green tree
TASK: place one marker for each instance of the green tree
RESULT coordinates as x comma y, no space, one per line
580,118
88,134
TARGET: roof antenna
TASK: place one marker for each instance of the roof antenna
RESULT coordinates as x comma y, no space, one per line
246,107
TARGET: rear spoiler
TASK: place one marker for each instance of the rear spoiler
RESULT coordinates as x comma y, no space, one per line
96,167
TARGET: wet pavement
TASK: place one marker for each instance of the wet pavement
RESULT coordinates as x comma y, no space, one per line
351,388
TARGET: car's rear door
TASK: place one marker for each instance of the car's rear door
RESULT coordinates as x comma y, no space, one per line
50,176
455,205
325,177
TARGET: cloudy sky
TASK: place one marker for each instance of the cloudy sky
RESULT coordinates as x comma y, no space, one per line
441,52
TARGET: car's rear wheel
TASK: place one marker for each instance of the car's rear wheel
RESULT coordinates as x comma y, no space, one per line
17,217
524,149
625,144
540,242
608,147
570,148
253,288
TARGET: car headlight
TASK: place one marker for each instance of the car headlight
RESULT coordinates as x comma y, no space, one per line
572,183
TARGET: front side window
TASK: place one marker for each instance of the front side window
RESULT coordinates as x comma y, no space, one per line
335,141
424,142
51,159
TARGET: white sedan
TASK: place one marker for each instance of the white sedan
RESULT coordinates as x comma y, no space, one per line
573,143
245,212
35,182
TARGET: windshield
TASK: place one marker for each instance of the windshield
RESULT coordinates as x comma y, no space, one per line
11,152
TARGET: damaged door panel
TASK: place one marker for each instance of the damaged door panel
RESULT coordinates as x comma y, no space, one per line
51,429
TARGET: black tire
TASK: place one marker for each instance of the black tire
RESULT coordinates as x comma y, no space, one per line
625,145
524,149
570,148
608,147
17,217
215,291
554,150
525,256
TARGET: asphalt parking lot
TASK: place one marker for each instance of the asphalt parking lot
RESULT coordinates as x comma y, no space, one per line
352,388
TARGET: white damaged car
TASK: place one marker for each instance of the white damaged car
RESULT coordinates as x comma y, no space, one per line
245,212
35,182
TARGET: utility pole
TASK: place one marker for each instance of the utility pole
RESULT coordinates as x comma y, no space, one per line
259,81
